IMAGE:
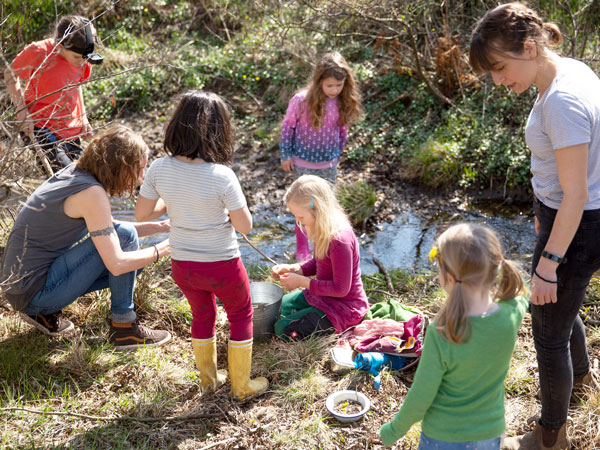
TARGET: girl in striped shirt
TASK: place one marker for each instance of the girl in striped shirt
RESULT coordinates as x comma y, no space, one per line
205,203
315,127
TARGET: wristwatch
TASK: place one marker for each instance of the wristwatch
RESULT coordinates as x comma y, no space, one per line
553,257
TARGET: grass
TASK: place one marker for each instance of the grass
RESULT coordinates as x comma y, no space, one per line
141,399
358,200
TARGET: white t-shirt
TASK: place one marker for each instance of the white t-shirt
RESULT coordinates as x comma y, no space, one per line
198,198
567,114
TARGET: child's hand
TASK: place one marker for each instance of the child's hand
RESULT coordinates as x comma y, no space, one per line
287,166
291,281
87,131
387,434
280,269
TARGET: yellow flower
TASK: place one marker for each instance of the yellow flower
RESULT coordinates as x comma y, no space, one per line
257,78
433,253
145,9
244,77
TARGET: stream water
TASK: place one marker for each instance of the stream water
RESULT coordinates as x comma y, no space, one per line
402,244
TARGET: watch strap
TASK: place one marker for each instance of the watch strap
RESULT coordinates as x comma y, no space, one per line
553,257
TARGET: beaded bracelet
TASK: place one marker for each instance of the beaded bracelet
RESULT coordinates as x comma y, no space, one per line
543,279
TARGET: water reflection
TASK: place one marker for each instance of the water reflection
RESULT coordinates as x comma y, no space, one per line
401,244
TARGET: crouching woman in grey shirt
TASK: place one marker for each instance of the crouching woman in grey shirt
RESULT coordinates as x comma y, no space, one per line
50,260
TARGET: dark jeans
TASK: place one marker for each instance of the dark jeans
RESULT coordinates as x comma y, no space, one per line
558,331
59,153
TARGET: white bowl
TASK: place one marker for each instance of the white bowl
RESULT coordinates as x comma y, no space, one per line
341,396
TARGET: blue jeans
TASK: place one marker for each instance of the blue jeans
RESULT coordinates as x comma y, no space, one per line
59,153
81,270
558,331
427,443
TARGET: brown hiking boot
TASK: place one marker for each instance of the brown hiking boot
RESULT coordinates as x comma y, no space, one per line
50,324
540,438
132,335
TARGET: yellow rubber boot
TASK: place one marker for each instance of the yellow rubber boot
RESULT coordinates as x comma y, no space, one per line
239,357
205,351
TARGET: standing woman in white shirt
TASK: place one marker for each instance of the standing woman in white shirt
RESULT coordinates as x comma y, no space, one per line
512,44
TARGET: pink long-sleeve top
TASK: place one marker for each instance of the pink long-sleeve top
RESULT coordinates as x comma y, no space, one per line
337,289
300,139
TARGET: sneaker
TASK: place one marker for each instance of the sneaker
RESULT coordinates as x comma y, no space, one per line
132,335
50,324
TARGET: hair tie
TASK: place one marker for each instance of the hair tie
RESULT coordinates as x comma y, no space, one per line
458,281
312,202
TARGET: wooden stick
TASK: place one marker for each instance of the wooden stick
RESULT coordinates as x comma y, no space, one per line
255,248
388,279
119,418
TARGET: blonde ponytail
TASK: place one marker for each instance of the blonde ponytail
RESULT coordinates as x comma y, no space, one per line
511,283
471,254
452,321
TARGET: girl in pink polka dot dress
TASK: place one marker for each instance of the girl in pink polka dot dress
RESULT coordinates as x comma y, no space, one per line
315,127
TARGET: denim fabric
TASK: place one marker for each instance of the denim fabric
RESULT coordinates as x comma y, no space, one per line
558,331
81,270
427,443
59,153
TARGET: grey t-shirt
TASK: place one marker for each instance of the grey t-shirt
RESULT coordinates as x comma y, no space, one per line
567,114
41,233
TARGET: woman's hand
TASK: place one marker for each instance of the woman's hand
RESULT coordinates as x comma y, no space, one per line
543,292
164,248
280,269
164,226
291,281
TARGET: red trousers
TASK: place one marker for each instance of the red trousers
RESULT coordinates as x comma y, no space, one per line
201,282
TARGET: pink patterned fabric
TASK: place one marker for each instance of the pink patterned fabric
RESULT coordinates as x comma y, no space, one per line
300,139
388,336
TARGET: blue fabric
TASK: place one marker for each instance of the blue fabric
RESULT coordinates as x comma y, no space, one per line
59,152
427,443
81,270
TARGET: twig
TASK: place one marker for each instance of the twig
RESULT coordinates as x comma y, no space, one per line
388,279
39,153
119,418
381,291
214,444
255,248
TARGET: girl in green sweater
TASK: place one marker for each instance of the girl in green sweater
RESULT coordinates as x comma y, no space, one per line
458,389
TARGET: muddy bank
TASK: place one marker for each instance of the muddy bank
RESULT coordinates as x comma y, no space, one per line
401,232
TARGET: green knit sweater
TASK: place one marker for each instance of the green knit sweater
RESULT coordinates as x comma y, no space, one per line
458,389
